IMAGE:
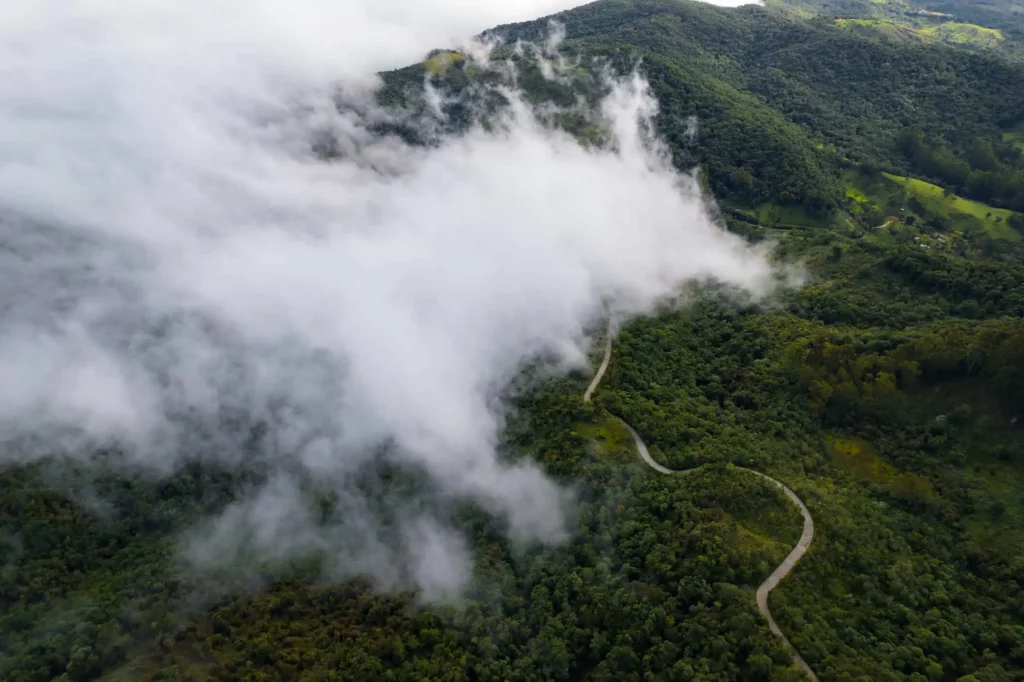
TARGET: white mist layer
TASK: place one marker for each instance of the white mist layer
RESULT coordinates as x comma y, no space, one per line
175,255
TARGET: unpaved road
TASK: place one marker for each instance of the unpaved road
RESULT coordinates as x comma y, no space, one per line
601,370
787,564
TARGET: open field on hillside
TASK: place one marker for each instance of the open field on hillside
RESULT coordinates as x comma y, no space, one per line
938,201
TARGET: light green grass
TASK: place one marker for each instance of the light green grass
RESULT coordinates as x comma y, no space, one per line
859,22
883,29
440,63
965,35
860,196
786,216
757,537
950,32
610,438
994,220
856,195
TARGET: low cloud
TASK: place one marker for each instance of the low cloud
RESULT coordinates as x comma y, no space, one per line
181,266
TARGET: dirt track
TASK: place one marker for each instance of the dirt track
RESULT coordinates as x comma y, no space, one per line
783,569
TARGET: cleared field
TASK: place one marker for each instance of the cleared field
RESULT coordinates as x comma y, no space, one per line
440,63
936,200
786,216
883,29
966,35
950,33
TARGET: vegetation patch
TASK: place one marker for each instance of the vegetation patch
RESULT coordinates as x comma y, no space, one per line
939,201
438,64
859,458
856,195
609,436
967,35
878,28
748,539
776,215
985,422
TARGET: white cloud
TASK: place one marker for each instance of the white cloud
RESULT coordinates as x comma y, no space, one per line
176,257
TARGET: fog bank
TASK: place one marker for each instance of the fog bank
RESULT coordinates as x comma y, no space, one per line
181,266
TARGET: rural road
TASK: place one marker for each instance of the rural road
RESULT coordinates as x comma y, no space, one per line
787,564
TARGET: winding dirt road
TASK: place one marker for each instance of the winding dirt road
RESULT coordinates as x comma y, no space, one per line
787,564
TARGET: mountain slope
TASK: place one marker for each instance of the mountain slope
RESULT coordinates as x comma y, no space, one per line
789,101
886,392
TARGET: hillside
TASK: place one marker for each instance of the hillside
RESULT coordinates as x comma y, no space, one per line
793,101
993,27
886,392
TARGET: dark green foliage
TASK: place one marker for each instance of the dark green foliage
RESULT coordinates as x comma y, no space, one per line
648,588
782,98
899,581
657,581
982,175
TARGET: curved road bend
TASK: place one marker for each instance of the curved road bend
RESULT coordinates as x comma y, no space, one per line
787,564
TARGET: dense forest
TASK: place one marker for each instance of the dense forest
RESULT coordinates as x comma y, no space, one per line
783,104
886,392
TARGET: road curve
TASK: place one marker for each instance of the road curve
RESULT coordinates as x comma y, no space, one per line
783,569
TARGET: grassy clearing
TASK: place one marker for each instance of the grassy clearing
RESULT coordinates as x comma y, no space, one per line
777,529
857,195
859,458
752,539
609,436
882,29
441,62
863,196
786,216
965,35
936,200
951,33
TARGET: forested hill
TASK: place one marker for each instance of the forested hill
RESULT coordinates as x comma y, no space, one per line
783,103
992,27
888,393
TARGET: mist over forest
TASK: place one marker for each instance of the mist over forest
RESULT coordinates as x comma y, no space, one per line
302,299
